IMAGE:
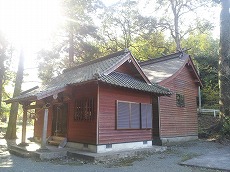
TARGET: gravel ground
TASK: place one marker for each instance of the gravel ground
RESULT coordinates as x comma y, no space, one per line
157,162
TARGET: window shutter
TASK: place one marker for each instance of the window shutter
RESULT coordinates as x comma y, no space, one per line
123,114
146,116
143,116
149,116
135,116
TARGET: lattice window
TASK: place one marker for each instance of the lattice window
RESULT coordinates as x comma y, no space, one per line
180,100
84,109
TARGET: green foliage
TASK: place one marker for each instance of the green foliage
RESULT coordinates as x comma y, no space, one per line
5,74
120,24
204,49
226,127
175,19
49,65
79,30
77,41
151,46
124,27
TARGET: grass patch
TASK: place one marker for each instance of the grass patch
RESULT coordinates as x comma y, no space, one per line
124,162
188,156
68,161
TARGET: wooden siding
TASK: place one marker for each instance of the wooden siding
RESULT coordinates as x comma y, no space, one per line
108,96
179,121
82,131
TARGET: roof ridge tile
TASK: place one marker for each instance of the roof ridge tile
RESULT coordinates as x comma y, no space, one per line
96,60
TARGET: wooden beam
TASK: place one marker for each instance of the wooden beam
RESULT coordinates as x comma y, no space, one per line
34,107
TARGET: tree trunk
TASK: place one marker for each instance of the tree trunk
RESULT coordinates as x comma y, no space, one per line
176,32
71,46
224,59
11,129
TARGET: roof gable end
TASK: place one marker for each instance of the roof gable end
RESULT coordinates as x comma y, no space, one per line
130,58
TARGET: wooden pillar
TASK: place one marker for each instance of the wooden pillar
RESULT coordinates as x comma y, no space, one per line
44,131
24,122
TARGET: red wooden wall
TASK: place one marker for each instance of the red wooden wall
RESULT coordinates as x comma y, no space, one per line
77,131
179,121
108,95
82,131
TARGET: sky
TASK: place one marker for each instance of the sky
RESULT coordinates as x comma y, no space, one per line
29,24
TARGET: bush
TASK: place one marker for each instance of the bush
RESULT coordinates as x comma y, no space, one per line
226,127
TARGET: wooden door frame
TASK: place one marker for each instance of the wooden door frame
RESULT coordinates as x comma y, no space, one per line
55,106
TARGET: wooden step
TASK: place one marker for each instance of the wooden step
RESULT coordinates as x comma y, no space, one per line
54,142
57,141
57,138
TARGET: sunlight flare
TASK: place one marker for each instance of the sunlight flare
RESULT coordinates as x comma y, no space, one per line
29,22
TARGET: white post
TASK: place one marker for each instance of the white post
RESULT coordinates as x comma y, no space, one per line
44,132
24,121
199,94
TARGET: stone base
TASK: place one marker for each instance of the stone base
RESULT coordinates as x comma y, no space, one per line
157,141
47,155
23,144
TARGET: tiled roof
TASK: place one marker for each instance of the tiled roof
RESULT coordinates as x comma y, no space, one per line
99,69
127,81
161,68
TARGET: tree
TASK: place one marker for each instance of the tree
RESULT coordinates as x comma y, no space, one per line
2,68
119,23
152,45
175,20
224,59
75,42
122,23
48,64
11,128
4,64
204,50
80,30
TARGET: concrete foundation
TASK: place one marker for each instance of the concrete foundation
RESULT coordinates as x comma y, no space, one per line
175,140
110,147
52,152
